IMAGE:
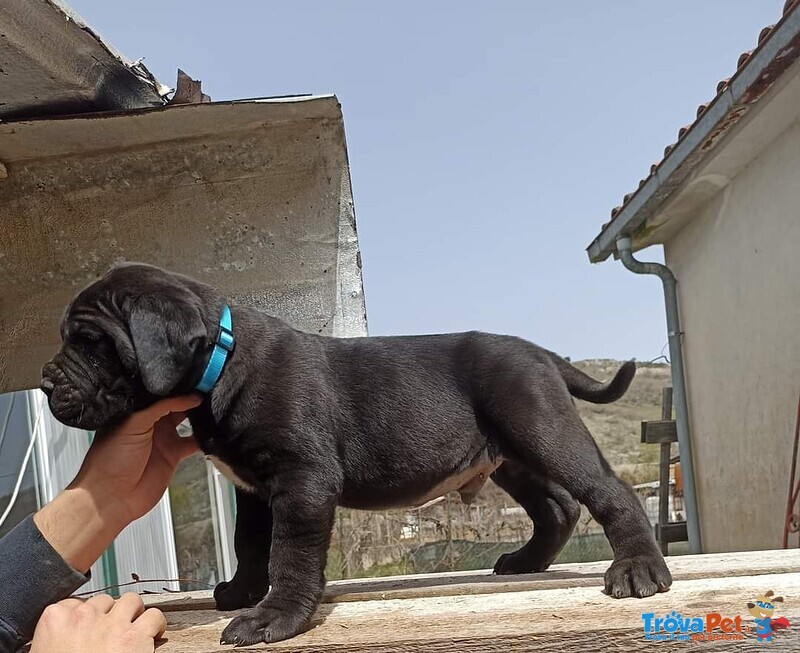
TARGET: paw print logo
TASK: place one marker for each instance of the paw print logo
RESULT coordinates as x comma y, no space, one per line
762,611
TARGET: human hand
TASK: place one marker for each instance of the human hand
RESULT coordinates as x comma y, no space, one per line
98,625
131,465
124,475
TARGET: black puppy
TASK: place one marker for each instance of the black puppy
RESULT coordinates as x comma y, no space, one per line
303,423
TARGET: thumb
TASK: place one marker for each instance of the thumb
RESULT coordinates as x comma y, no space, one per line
144,420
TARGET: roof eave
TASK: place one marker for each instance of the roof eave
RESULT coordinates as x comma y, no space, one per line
779,51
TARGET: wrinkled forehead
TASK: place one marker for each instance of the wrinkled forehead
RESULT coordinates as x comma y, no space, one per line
104,298
84,308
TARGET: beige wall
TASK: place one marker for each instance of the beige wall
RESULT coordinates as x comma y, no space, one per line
738,270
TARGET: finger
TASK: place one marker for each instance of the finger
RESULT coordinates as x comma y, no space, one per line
171,445
152,623
162,463
144,420
128,607
101,602
70,603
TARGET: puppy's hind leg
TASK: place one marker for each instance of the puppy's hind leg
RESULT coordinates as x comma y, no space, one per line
552,510
538,423
251,542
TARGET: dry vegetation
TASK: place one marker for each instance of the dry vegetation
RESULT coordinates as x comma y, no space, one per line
617,427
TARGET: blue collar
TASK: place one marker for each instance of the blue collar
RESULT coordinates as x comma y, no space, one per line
223,347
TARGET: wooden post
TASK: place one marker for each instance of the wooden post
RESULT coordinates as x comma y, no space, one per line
450,554
344,549
663,474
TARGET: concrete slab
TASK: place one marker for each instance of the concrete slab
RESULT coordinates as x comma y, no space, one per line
253,197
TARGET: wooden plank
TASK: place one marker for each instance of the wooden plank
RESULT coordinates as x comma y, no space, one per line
563,576
658,431
563,620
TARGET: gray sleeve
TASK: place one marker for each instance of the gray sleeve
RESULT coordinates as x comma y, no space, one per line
32,576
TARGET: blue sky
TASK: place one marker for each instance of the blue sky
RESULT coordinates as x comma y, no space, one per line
488,141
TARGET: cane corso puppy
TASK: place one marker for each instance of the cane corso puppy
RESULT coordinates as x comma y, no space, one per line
303,423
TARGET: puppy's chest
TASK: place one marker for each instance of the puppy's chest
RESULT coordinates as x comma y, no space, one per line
216,452
228,472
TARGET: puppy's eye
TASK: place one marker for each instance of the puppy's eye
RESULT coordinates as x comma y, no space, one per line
86,337
93,348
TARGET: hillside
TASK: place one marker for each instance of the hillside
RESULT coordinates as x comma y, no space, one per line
617,427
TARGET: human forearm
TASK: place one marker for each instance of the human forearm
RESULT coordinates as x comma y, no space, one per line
80,524
32,575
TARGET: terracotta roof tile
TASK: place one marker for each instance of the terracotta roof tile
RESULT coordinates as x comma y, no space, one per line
765,33
721,86
743,59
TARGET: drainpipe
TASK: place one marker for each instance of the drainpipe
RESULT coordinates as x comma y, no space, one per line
678,381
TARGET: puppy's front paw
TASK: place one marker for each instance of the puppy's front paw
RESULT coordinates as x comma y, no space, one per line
520,562
639,576
234,595
262,624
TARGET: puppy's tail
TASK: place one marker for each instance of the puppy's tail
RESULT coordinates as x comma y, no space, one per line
584,387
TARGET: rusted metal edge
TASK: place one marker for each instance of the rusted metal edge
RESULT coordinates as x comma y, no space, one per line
58,64
137,68
100,115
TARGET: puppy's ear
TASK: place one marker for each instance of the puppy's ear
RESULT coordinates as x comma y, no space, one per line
165,335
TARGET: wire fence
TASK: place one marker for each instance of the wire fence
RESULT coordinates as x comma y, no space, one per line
445,536
452,536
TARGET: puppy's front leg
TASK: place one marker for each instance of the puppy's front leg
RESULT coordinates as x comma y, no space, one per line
252,542
303,511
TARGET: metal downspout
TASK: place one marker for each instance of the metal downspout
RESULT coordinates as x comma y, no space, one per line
678,381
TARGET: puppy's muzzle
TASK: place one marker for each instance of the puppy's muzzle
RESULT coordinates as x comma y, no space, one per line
47,386
64,396
50,376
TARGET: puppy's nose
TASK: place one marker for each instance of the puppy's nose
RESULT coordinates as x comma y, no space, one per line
47,386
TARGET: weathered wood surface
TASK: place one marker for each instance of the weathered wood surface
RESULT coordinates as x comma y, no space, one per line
484,582
561,610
